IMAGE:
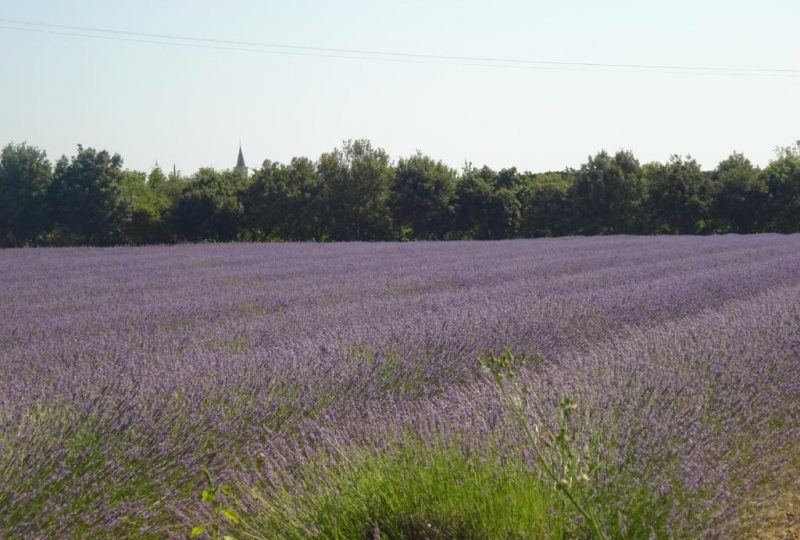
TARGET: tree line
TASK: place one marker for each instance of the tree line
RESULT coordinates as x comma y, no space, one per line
356,192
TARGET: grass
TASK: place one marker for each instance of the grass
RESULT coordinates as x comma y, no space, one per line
411,491
415,490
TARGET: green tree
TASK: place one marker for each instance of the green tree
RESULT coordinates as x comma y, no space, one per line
487,204
741,195
356,184
680,196
546,205
284,202
25,176
782,177
157,178
608,195
150,202
423,202
210,206
86,199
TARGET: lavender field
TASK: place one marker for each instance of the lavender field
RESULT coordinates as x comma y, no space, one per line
335,391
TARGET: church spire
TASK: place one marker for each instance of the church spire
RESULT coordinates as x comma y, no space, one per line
241,167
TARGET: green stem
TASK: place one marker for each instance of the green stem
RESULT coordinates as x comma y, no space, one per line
542,461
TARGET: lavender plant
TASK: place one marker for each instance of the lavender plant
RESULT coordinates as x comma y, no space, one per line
124,372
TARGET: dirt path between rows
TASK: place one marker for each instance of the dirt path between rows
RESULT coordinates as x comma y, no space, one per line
780,521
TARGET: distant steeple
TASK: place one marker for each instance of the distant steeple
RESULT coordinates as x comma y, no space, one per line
241,167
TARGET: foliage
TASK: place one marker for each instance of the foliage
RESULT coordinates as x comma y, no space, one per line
412,489
221,516
357,182
546,205
608,195
680,196
423,198
488,208
741,195
284,202
553,451
150,198
210,206
25,176
355,193
783,183
86,199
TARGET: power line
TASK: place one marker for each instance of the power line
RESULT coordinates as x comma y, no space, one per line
288,53
367,54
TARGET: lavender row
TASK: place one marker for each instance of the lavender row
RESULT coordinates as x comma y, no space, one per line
143,366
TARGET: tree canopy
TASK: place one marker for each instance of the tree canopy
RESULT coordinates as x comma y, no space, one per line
356,192
86,201
25,177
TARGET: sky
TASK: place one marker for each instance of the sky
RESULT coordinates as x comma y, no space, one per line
191,106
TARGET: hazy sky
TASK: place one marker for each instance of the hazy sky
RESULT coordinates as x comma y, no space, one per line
191,106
